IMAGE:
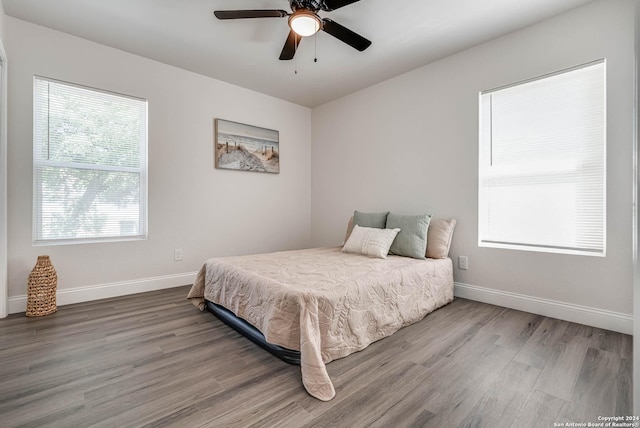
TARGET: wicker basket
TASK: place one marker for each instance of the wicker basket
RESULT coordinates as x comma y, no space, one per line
41,293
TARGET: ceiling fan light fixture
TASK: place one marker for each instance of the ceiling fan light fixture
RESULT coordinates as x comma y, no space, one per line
305,22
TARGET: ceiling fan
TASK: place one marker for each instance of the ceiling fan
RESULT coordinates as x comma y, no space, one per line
304,21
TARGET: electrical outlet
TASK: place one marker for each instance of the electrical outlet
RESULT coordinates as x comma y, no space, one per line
177,255
463,262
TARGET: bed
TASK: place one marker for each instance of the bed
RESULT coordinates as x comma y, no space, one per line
323,303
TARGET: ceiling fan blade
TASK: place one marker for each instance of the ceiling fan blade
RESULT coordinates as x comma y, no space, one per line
243,14
330,5
290,46
354,40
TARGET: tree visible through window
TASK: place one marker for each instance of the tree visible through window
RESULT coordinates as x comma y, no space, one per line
89,164
542,163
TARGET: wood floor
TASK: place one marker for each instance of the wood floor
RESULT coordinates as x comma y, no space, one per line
154,360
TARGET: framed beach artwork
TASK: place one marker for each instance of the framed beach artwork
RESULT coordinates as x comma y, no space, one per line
246,148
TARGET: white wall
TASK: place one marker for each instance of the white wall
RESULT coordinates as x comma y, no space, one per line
3,177
636,235
192,206
2,19
410,144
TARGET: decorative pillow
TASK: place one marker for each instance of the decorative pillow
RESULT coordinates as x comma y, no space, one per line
377,220
412,239
439,238
349,229
370,241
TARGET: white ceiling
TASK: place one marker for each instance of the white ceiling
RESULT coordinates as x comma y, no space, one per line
406,34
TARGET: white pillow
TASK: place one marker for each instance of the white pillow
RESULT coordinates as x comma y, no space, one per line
369,241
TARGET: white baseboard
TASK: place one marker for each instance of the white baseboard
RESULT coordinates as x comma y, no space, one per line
594,317
600,318
69,296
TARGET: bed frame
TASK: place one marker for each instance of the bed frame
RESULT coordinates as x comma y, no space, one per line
252,333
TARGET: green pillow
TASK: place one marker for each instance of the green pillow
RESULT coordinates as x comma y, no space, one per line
412,239
377,220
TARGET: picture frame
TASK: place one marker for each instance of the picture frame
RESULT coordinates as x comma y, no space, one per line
244,147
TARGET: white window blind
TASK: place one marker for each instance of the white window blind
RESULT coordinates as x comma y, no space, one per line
542,163
89,164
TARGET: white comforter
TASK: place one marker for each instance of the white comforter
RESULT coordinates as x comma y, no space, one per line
324,303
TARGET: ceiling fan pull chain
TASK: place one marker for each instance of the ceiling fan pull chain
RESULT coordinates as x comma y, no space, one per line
295,59
315,47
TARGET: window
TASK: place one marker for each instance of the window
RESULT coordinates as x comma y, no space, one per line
542,163
89,164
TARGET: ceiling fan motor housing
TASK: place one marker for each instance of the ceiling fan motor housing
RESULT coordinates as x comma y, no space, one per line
312,5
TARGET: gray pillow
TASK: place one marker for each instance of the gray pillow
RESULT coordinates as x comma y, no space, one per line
377,220
412,239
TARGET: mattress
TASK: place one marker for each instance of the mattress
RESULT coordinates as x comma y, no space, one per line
324,303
